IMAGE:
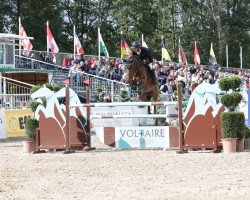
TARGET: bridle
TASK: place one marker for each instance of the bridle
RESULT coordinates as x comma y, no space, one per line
135,73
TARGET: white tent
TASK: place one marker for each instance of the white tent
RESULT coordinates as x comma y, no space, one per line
7,49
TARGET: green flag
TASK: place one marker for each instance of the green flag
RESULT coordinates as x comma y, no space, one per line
102,48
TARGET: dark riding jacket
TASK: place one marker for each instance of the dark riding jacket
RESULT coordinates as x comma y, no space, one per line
145,55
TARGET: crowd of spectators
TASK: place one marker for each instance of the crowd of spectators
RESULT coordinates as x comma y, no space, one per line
167,74
29,61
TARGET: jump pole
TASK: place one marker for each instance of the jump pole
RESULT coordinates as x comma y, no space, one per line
88,131
160,103
181,131
67,135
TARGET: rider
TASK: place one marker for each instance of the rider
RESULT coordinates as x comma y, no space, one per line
144,54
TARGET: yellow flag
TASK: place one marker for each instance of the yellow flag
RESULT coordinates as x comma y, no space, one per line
165,55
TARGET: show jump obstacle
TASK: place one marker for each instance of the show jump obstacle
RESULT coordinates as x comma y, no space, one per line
68,126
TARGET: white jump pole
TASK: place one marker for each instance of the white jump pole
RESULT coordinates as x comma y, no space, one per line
165,103
127,116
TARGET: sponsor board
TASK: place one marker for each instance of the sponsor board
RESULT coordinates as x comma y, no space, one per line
142,137
7,66
2,124
15,121
117,110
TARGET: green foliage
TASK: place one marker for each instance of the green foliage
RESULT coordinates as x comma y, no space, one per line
224,84
55,88
99,97
98,90
247,132
233,124
231,101
124,96
48,85
30,128
185,19
235,82
232,82
35,88
33,105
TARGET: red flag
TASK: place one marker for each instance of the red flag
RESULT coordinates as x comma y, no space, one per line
78,46
197,59
24,42
87,82
51,41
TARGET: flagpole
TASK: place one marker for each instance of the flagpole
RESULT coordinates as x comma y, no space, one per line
179,50
194,49
227,54
99,53
161,49
74,32
20,48
241,57
47,37
121,44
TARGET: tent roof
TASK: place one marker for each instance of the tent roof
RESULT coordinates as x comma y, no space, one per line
8,37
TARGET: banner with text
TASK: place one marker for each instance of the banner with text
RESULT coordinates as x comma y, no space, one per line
15,121
142,137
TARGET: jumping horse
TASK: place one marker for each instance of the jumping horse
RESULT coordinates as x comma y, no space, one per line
139,80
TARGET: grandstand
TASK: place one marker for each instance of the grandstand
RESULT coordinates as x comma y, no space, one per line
18,73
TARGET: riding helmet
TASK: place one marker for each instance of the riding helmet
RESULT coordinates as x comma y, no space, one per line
136,44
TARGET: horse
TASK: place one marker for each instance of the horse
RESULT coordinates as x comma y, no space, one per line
138,79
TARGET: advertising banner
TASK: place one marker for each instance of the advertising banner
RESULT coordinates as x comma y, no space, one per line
142,137
2,124
15,121
117,110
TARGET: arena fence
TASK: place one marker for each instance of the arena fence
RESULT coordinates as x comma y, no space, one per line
14,101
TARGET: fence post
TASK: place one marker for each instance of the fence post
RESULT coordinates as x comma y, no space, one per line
1,89
11,102
181,131
67,135
112,91
4,85
71,79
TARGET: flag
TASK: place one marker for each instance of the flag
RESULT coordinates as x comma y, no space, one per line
102,47
182,56
24,42
51,43
78,46
197,59
164,52
143,43
124,47
212,59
